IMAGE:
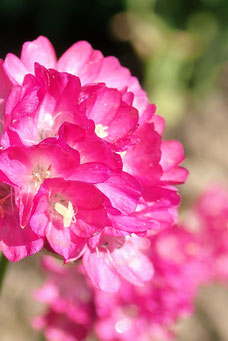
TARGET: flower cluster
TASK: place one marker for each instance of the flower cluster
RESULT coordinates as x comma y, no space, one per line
182,261
82,163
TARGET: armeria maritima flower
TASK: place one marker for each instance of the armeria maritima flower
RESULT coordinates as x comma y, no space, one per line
83,156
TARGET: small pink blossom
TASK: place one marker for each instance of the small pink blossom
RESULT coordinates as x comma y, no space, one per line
120,258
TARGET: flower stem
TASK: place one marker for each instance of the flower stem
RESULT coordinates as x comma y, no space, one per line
3,266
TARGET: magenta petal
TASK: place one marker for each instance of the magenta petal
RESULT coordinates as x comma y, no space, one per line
25,203
64,242
172,155
122,190
142,159
84,230
90,222
71,133
23,132
40,219
92,172
76,60
14,163
100,271
175,176
132,264
113,74
82,195
102,105
15,69
97,150
17,243
168,194
124,123
39,50
133,224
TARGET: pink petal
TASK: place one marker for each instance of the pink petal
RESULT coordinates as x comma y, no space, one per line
122,190
100,271
132,224
14,163
172,155
92,172
132,264
156,193
17,243
15,69
113,74
81,60
64,242
102,105
142,159
124,123
39,221
90,222
39,50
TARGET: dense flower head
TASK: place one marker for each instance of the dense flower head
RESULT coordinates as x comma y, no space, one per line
83,159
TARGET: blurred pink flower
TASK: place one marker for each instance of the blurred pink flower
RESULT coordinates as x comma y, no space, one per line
211,213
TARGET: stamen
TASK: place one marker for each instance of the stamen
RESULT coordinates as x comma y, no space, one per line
48,172
67,213
100,130
37,176
122,154
1,211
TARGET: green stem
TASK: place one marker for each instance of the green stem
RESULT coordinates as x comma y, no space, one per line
3,266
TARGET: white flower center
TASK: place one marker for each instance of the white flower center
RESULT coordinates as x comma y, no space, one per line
100,130
67,213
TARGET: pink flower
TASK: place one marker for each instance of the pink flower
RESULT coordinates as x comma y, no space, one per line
119,258
57,327
82,150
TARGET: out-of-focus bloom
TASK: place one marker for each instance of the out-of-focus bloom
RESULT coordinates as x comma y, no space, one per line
182,259
150,312
143,313
211,215
82,151
119,258
71,312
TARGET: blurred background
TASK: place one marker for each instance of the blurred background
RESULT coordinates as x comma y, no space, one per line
179,51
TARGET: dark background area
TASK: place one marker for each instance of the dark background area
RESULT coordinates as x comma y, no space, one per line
64,23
